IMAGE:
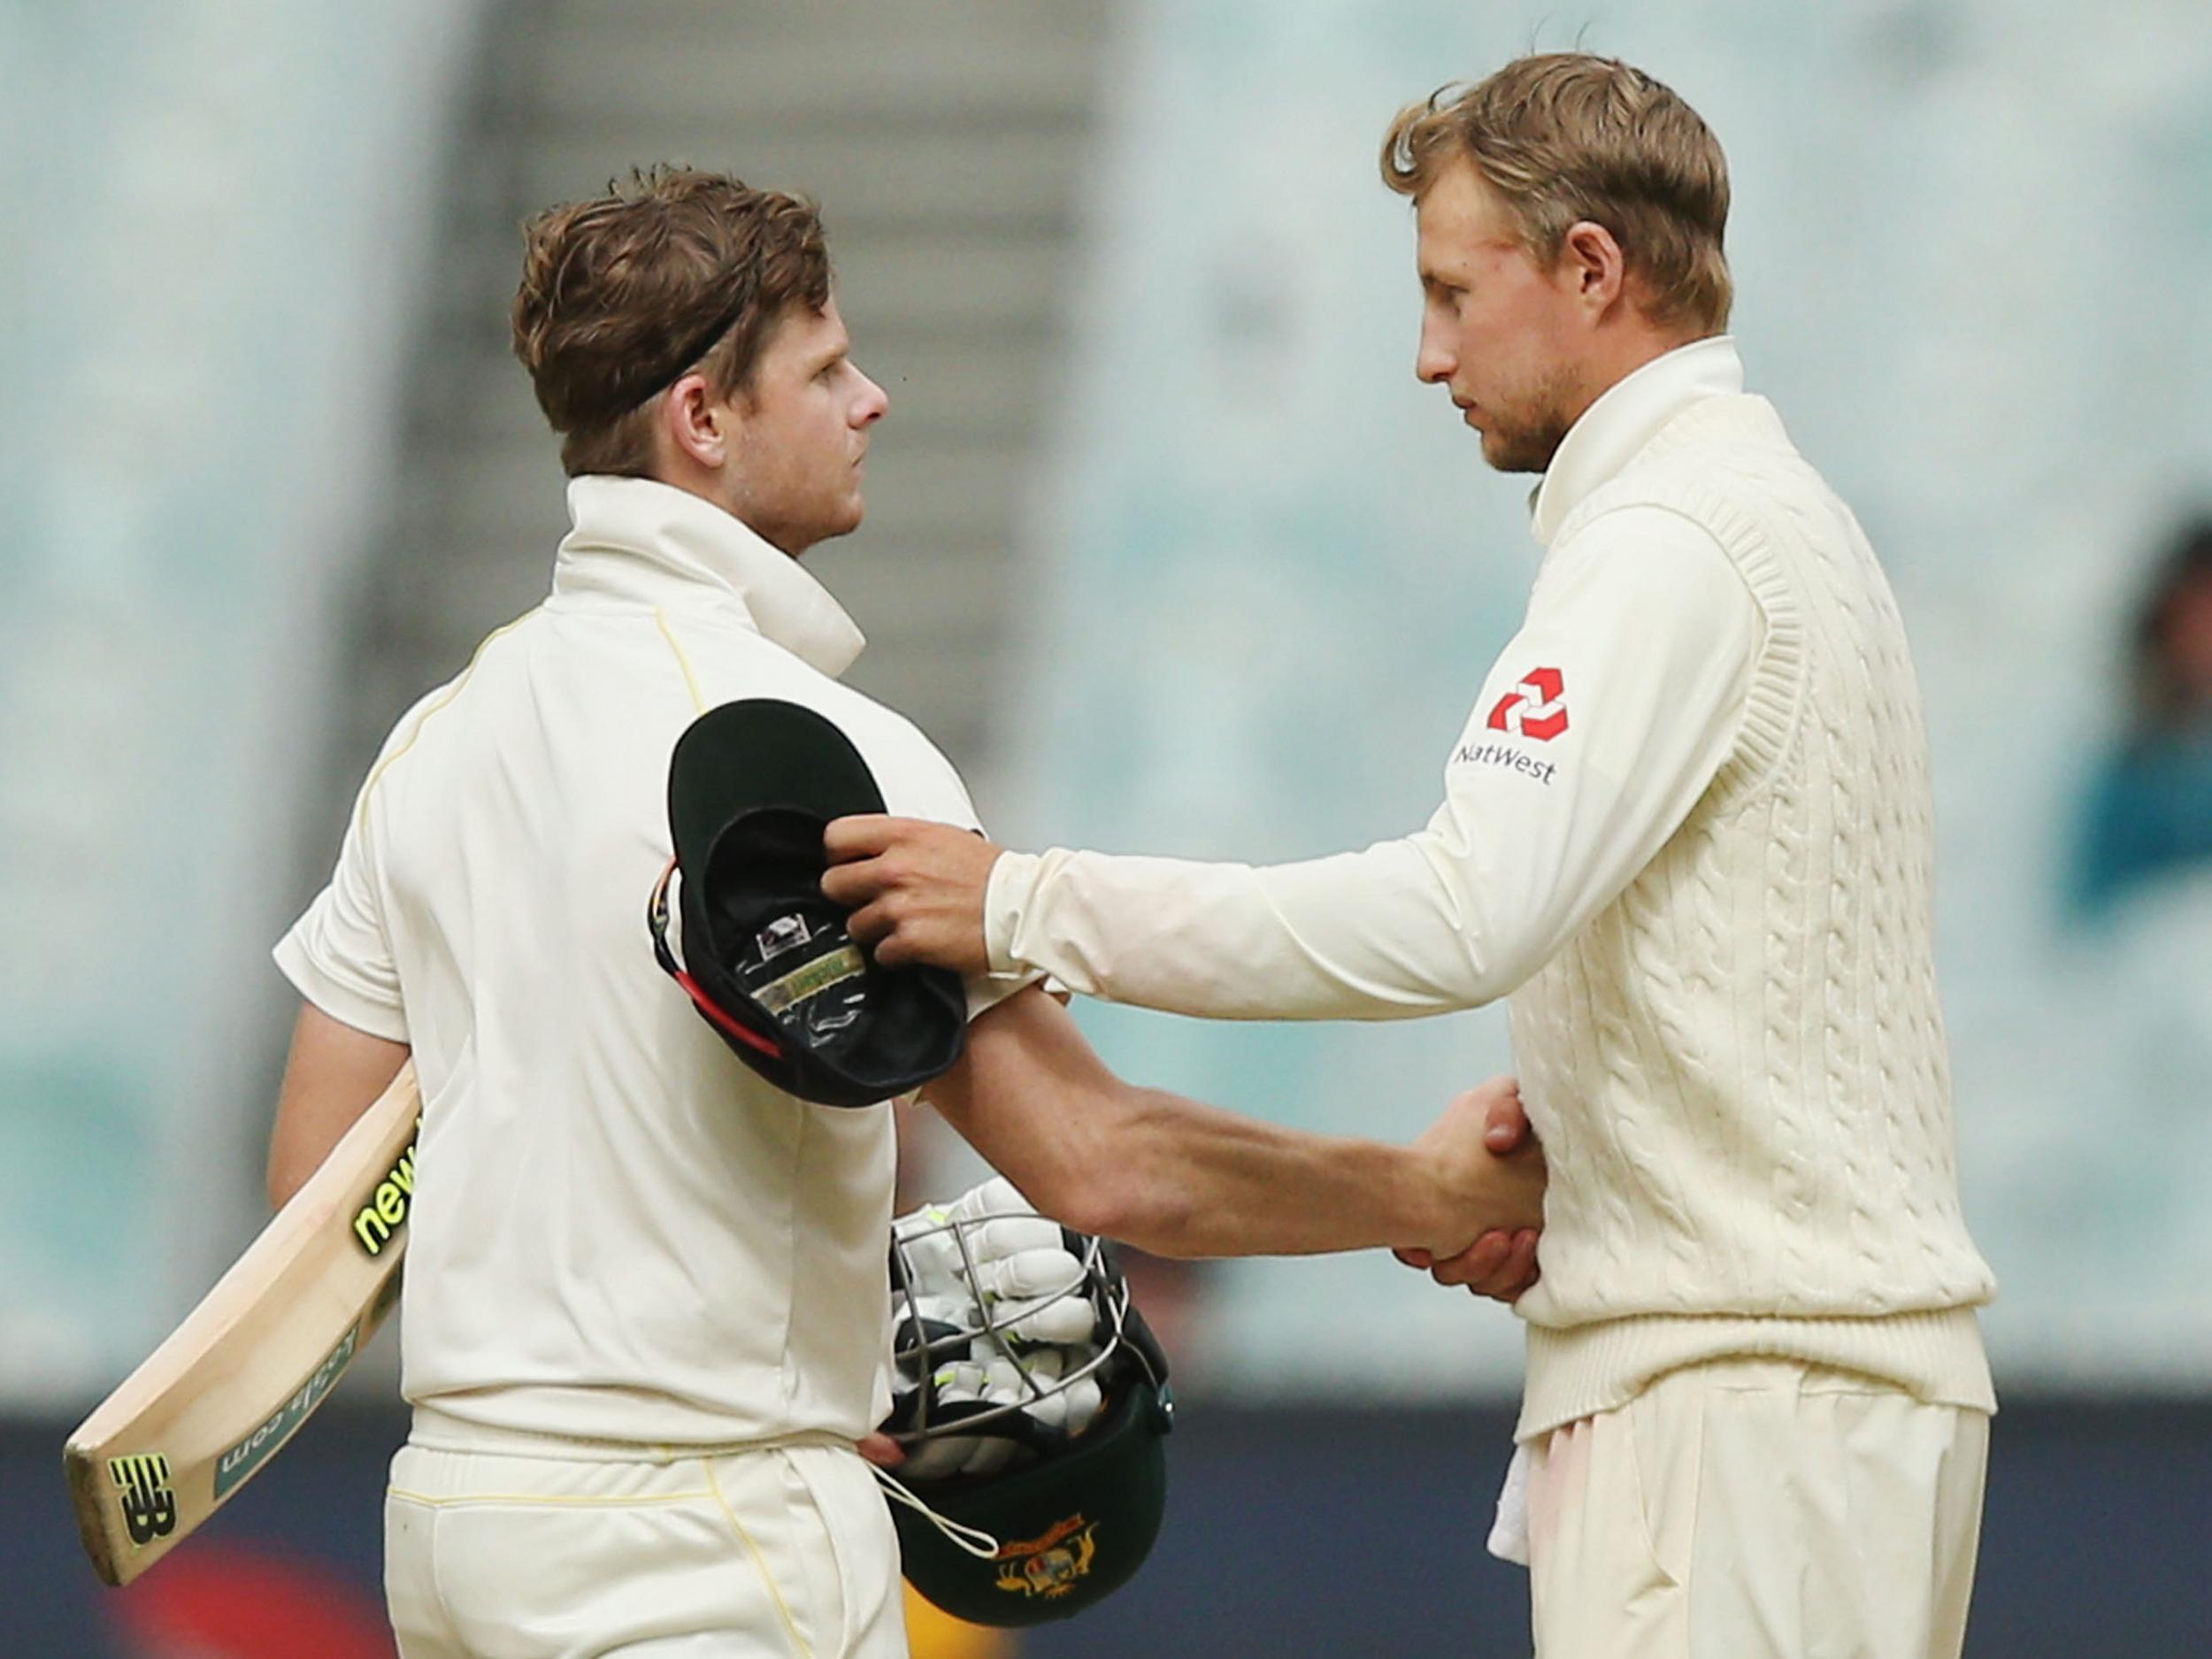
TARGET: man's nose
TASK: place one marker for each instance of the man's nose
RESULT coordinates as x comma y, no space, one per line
874,404
1433,360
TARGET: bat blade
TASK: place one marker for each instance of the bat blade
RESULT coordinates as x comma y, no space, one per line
263,1349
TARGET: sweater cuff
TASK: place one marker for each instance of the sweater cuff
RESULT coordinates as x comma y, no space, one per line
1013,880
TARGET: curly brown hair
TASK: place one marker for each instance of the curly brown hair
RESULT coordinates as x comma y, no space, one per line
623,294
1567,136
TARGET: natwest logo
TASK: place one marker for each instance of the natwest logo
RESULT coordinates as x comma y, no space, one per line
1536,708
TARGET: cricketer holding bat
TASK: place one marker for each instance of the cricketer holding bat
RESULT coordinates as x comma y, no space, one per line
1687,832
645,1324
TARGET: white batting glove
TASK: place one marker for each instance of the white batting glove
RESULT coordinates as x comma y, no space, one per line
992,1382
1024,1278
988,1377
1071,1408
1017,1278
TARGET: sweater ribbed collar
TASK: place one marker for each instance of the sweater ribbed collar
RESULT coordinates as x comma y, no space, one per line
1628,415
640,541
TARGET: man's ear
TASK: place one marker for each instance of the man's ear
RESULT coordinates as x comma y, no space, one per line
695,422
1592,265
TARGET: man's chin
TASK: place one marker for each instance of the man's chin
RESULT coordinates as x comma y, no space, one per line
1518,451
843,522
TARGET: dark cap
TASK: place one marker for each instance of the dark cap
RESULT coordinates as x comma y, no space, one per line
767,960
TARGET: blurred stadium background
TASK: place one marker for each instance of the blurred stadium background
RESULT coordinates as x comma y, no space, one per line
1169,552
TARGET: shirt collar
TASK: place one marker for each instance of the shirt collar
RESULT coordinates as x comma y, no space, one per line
1626,417
647,543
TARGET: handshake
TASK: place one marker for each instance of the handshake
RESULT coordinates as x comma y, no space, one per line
1008,1332
1501,1263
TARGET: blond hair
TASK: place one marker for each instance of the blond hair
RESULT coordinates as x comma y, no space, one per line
622,293
1566,136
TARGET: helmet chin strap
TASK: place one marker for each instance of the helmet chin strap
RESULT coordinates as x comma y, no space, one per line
973,1539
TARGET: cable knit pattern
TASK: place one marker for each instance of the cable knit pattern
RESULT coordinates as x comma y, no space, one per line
1739,1065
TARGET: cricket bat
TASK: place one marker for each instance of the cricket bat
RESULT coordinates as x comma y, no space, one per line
232,1384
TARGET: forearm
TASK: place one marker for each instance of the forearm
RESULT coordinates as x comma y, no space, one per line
1184,1179
335,1074
1166,1173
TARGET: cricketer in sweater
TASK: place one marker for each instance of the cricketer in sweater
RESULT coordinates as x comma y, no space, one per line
1686,831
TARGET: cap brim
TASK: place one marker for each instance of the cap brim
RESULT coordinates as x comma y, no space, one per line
760,752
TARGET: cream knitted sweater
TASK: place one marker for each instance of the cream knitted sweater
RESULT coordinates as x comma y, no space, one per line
1687,828
1740,1061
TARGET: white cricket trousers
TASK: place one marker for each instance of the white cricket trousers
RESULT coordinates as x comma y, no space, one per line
1757,1510
781,1553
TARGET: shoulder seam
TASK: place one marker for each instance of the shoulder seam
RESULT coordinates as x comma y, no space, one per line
683,658
376,772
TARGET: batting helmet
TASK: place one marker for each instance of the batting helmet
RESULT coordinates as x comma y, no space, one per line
1034,1415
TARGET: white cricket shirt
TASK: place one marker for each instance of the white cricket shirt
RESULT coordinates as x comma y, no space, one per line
620,1231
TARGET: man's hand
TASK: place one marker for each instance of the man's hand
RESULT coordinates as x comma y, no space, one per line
915,889
1502,1262
881,1450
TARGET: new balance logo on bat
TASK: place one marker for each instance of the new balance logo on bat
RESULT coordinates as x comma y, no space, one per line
150,1506
1536,708
385,1212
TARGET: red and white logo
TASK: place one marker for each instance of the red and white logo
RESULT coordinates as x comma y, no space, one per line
1536,708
